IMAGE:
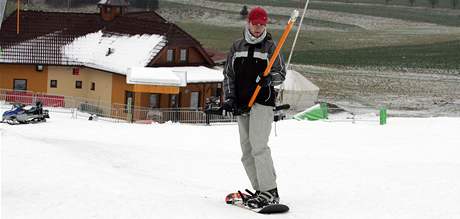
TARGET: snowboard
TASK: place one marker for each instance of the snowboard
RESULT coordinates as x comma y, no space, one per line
237,200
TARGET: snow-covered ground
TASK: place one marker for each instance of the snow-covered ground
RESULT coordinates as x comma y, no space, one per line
75,168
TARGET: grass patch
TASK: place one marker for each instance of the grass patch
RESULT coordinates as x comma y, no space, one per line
404,13
321,23
301,4
340,48
439,55
215,37
381,10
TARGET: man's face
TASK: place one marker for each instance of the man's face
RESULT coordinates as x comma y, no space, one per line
256,29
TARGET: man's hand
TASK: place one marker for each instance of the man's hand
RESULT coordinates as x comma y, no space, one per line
264,81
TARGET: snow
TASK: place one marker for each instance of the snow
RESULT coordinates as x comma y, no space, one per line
64,168
155,76
200,74
173,76
114,52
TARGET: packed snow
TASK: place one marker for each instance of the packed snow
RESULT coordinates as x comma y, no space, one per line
75,168
173,76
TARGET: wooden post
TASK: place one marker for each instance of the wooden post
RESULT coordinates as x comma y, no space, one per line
130,112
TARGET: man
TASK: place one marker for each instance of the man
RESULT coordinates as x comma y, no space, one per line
244,69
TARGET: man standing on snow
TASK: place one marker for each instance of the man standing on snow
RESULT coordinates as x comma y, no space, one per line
244,69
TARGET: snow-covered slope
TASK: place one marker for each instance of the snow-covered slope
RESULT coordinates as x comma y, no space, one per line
74,168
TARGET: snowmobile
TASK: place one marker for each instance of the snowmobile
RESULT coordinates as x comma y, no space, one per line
19,114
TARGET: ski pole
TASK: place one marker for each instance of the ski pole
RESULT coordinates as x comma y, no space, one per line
288,28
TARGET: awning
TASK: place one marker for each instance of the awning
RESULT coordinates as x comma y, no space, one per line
156,76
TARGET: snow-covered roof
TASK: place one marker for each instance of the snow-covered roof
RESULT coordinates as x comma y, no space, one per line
114,53
156,76
53,38
173,76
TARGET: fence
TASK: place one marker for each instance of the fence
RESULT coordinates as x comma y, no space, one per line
83,107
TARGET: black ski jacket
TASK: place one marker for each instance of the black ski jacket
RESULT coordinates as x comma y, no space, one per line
244,63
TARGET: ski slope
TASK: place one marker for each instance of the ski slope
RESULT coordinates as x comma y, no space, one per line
75,168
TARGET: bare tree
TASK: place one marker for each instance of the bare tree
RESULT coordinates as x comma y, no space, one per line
454,3
412,2
387,1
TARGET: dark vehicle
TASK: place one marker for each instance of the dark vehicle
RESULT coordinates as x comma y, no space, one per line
19,114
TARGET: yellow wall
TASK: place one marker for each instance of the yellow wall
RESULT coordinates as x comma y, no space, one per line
66,83
119,88
36,81
142,92
110,88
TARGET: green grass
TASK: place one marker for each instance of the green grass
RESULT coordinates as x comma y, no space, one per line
405,13
444,55
426,15
215,37
282,3
321,23
10,8
421,3
301,3
339,48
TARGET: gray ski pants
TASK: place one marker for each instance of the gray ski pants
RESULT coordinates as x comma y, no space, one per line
257,160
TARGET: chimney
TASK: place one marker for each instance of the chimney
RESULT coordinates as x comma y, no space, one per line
110,9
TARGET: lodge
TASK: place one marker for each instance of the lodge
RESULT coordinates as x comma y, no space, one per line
110,56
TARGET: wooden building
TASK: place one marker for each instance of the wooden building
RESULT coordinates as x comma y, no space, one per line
89,56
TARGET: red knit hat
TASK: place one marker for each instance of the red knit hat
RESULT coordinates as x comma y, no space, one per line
258,16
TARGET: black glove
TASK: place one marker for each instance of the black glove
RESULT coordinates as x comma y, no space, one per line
229,105
264,81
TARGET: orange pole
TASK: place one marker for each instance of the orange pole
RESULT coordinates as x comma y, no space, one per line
275,55
17,19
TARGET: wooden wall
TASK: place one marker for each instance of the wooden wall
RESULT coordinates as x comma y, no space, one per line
36,81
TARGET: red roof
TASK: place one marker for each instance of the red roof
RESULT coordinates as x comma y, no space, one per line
217,56
43,34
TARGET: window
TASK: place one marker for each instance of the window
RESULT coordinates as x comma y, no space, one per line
76,71
170,56
174,101
183,55
154,100
78,84
93,86
195,100
20,84
53,83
